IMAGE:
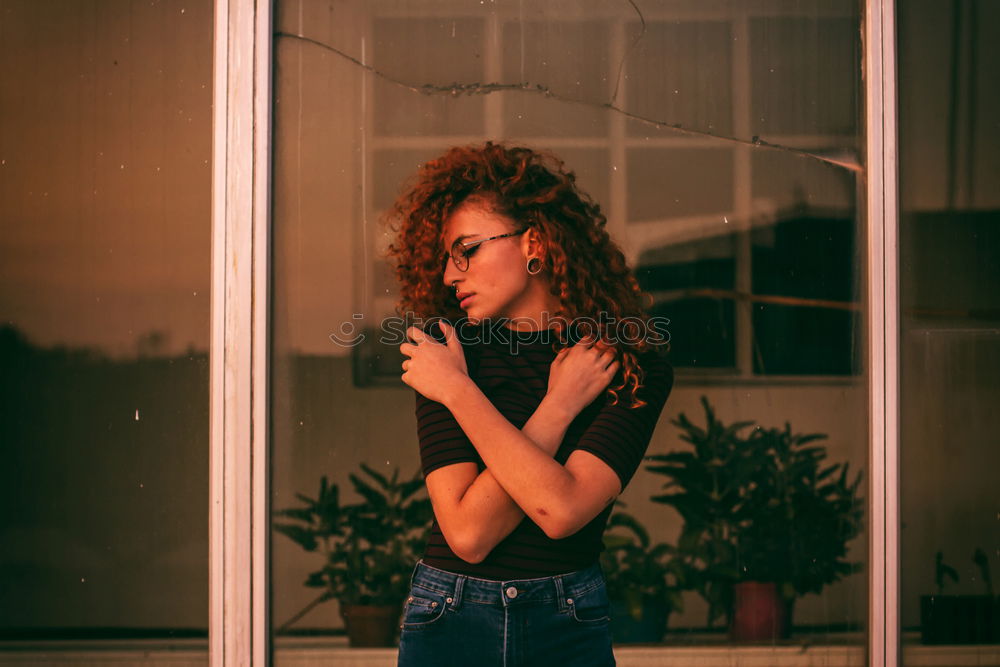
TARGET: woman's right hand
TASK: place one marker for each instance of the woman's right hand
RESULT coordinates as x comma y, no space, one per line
580,373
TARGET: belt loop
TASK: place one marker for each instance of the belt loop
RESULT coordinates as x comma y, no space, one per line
456,597
560,593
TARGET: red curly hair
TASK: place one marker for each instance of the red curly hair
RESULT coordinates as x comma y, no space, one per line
587,271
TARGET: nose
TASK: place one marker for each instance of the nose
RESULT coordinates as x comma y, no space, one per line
451,272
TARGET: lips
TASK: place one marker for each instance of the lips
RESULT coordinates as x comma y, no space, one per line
463,298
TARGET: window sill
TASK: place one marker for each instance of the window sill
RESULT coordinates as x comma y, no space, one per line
325,651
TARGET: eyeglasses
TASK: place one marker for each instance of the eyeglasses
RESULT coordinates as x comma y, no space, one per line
461,252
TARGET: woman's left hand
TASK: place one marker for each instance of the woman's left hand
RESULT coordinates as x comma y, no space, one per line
437,371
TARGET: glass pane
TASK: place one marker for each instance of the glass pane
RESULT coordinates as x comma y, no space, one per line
433,52
804,273
807,54
105,184
549,51
950,338
722,143
695,90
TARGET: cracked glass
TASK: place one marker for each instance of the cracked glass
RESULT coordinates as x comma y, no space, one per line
723,141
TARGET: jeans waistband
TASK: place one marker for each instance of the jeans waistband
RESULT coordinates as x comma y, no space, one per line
458,588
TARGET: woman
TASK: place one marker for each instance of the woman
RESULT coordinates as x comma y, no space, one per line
533,413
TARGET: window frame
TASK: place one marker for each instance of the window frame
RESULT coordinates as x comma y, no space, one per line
239,514
239,632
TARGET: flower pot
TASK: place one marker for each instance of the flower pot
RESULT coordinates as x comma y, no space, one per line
959,619
371,625
649,628
759,612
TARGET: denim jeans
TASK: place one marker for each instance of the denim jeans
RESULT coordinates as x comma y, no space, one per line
455,620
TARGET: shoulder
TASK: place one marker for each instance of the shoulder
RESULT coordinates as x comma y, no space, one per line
656,369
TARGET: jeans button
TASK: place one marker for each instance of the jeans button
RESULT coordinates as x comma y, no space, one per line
511,592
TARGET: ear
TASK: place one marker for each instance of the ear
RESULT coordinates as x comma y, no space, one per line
532,244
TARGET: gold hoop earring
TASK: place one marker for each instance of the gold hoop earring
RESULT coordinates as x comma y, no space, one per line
536,264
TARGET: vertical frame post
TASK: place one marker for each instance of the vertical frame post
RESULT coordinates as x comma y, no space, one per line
241,180
883,331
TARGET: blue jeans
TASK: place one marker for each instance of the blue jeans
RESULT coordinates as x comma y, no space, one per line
452,619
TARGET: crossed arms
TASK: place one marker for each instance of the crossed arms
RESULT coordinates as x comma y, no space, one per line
477,510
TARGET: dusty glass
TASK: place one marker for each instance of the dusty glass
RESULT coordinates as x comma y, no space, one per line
723,141
105,185
950,329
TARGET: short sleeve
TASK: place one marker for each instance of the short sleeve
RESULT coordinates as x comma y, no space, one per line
442,440
620,435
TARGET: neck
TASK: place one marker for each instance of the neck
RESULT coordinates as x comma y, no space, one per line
537,311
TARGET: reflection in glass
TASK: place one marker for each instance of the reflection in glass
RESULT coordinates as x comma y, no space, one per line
950,338
105,148
744,238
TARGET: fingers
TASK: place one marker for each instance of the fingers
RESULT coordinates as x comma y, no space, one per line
450,338
408,349
608,357
593,345
417,336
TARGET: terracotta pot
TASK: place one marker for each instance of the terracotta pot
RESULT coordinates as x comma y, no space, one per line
371,625
759,612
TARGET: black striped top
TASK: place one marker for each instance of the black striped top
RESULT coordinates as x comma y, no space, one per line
514,377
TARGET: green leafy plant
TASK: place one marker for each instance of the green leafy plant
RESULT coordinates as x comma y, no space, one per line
758,505
637,572
369,547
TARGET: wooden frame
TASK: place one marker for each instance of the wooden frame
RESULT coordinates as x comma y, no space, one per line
239,519
883,333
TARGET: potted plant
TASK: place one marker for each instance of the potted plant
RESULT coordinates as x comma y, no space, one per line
765,521
369,549
960,619
644,581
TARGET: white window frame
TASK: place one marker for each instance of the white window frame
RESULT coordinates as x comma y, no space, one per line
239,525
239,522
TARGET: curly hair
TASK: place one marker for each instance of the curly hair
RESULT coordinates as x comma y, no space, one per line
587,271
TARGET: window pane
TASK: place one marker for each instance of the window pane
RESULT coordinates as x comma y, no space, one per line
804,268
809,55
549,54
433,52
681,72
702,329
949,57
668,183
718,213
105,184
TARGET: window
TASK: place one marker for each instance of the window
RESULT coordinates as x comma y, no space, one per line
105,247
716,223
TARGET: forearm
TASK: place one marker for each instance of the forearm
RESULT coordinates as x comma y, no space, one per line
524,471
488,512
